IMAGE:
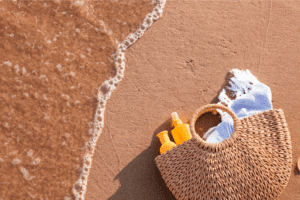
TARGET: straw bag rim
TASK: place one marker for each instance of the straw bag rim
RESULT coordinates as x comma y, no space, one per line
214,147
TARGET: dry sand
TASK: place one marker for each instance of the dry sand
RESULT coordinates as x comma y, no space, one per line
179,65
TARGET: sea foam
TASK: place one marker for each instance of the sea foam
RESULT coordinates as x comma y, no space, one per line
105,91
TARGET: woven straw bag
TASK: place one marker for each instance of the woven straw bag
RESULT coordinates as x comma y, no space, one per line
254,163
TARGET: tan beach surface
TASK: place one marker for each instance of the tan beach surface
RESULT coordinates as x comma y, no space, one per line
180,64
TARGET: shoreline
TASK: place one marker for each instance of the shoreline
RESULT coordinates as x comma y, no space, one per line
106,89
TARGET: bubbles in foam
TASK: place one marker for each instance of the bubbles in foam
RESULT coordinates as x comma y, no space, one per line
6,124
16,69
30,153
59,67
67,198
23,71
105,91
36,161
16,161
99,118
8,63
26,175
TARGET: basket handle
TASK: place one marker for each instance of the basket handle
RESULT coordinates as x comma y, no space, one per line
211,108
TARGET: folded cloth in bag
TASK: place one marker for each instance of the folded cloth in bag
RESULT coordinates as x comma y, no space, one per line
254,163
250,97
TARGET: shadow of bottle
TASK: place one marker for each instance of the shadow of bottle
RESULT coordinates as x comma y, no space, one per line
141,179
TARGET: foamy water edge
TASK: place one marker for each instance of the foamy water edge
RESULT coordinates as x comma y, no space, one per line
104,93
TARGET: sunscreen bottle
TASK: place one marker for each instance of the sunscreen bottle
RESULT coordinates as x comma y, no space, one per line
165,141
181,132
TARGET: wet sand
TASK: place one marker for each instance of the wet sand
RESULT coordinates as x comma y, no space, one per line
54,55
181,64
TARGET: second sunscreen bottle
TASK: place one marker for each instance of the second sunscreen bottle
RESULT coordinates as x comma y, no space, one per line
181,132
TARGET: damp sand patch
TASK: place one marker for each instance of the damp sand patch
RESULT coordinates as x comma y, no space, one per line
54,56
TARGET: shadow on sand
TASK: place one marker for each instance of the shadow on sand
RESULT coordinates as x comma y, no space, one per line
141,179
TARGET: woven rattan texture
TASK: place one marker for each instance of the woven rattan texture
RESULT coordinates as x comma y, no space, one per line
256,165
